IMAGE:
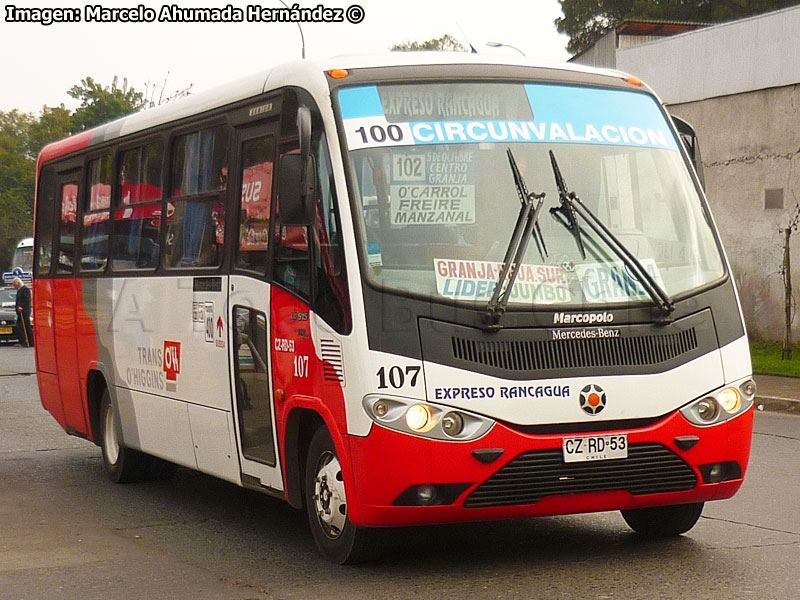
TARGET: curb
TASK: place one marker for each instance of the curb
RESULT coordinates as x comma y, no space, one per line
777,404
783,375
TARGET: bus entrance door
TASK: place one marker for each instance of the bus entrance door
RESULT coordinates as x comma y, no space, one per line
250,349
253,397
66,296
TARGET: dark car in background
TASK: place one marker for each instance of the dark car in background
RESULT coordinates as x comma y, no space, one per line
8,316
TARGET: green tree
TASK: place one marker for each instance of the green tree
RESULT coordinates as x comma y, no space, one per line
446,43
101,104
23,135
54,123
17,173
585,21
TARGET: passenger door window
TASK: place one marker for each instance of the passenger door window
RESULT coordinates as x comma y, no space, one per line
257,160
251,374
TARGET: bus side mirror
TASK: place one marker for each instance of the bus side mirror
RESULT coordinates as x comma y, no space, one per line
297,178
689,139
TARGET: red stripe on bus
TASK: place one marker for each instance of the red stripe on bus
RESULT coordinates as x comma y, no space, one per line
79,141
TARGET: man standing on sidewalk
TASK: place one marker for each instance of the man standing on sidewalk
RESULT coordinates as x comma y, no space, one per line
23,326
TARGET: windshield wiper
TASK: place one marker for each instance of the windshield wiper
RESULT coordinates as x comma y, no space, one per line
567,212
527,227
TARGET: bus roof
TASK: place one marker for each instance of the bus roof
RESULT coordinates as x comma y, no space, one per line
298,72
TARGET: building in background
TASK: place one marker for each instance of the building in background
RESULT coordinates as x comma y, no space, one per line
738,84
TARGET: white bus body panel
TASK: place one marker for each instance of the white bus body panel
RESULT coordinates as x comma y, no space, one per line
548,401
171,371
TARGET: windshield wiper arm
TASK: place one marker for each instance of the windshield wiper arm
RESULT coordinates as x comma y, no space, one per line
526,197
565,212
571,207
527,227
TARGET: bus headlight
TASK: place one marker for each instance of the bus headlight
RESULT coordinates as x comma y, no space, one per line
707,409
419,418
425,419
721,404
452,423
730,400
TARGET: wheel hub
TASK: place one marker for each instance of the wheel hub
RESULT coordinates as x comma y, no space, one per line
329,496
110,440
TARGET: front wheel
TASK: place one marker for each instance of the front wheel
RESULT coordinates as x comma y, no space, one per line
122,464
326,505
663,521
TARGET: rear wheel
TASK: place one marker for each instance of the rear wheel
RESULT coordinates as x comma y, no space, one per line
663,521
122,464
326,504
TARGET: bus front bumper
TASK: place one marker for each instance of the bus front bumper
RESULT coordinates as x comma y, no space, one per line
403,480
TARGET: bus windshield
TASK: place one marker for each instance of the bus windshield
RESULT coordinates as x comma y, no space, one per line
23,256
438,203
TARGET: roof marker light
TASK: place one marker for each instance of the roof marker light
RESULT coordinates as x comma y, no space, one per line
633,80
338,73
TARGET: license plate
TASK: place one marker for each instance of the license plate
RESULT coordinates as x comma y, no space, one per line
595,447
5,330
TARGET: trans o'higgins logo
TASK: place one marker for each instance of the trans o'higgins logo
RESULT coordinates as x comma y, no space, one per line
583,318
592,399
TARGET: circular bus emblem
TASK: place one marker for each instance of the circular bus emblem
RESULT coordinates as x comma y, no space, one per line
592,399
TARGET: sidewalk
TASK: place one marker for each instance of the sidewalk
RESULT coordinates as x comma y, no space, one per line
777,393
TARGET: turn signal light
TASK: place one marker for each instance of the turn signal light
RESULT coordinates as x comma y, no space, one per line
707,409
338,73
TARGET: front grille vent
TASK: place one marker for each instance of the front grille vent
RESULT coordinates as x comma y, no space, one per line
536,355
531,476
332,362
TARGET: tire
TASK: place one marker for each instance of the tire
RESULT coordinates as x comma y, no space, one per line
326,505
123,465
663,521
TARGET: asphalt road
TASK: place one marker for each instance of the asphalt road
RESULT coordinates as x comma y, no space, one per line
66,532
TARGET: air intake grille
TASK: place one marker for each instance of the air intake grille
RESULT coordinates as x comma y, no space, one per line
332,363
532,355
649,469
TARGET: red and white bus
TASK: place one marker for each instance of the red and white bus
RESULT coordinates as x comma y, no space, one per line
399,290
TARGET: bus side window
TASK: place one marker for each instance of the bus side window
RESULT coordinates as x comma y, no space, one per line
292,259
138,214
332,301
66,230
94,238
196,228
296,269
45,203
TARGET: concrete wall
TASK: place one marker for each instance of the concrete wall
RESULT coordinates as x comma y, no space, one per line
602,54
750,142
750,54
